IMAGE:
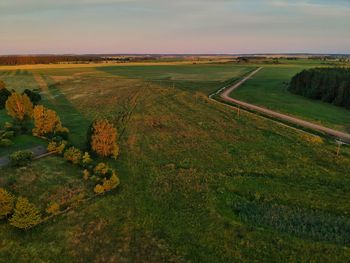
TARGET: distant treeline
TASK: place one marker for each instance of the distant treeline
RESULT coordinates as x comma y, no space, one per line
330,85
47,59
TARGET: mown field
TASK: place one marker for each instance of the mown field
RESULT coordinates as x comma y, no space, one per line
268,88
198,182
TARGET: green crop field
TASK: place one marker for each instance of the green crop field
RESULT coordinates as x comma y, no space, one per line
268,88
198,182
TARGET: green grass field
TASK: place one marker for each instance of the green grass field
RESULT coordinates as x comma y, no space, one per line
198,183
268,88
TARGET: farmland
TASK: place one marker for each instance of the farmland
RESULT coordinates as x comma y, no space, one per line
199,182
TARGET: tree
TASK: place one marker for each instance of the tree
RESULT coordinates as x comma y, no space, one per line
46,121
330,85
6,203
2,84
34,96
26,214
104,139
4,95
19,107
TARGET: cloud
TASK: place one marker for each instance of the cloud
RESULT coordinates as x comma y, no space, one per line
334,9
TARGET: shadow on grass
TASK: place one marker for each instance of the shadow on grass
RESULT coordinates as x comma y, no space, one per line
71,118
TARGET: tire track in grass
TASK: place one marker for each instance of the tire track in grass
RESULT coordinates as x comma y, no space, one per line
43,86
71,118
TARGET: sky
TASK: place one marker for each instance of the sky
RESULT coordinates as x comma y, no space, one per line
174,26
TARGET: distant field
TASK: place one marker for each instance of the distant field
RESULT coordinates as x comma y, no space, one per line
89,65
268,88
198,183
205,78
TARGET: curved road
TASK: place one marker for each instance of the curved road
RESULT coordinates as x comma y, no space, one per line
225,95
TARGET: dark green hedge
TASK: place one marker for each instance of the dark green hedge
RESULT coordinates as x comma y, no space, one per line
330,85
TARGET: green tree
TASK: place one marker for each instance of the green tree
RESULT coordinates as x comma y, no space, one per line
4,94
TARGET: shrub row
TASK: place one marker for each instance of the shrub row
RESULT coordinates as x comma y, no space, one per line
101,174
19,211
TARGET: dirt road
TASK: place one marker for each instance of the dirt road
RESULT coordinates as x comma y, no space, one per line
225,95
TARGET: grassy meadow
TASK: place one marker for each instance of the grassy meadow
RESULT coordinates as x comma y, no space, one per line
198,182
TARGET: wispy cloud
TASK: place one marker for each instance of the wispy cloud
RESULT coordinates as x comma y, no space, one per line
316,8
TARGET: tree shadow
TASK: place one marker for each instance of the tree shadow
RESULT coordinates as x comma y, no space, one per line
71,118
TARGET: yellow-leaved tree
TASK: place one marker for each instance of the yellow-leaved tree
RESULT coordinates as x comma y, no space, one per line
26,214
19,106
46,121
6,203
104,139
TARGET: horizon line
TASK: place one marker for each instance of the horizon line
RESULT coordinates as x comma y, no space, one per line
175,54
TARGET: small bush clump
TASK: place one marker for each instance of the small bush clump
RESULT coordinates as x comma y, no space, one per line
21,158
73,155
26,215
5,136
57,147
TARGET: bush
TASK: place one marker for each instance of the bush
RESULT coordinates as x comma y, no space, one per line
7,134
6,203
21,158
73,155
99,189
53,208
26,214
312,139
4,95
102,170
34,96
107,185
5,142
86,160
57,147
112,183
86,174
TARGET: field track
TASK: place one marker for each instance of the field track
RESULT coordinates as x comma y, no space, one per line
225,95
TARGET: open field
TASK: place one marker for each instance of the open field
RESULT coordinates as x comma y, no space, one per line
104,64
198,182
268,88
